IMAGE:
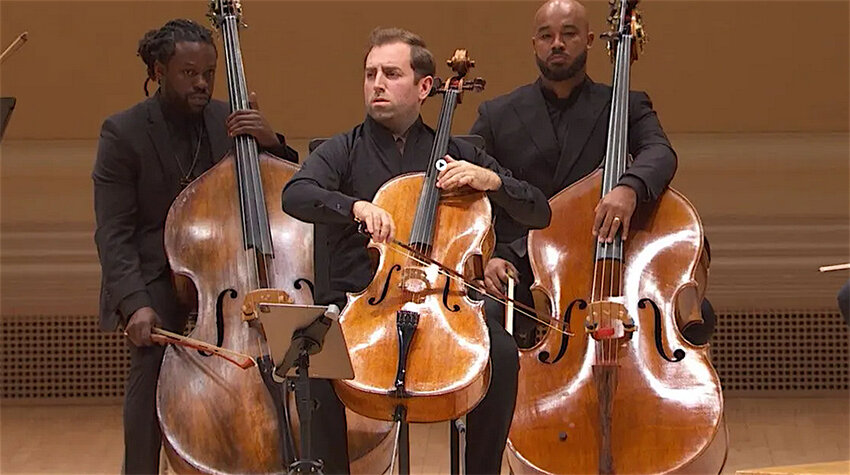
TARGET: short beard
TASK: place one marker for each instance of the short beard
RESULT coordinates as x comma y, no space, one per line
563,73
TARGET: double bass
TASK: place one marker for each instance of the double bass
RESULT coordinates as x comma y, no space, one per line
227,233
418,344
627,393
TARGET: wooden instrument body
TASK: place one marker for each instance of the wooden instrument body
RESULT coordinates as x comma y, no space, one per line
665,412
215,416
448,363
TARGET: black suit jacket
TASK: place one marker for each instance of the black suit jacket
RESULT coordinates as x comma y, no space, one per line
519,134
136,179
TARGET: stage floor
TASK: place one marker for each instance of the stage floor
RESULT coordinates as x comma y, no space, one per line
88,439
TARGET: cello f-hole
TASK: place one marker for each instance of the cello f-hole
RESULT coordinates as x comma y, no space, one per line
452,308
372,300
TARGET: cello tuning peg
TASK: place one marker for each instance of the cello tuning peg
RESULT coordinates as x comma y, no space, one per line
436,87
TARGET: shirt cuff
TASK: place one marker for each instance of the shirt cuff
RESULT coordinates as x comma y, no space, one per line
637,185
281,150
511,190
342,204
133,302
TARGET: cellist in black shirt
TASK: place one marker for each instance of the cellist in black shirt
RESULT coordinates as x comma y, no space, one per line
335,187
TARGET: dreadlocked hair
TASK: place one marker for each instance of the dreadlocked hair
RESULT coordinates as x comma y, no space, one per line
159,45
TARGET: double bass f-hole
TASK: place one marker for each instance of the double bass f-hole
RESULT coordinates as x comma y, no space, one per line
219,318
678,354
565,339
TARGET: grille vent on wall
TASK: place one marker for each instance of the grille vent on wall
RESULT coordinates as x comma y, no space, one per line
782,351
68,358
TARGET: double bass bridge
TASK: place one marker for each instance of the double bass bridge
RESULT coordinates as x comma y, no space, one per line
609,320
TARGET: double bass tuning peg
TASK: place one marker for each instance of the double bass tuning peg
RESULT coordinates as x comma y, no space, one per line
476,85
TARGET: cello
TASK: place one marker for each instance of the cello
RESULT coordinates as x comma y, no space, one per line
227,233
418,344
627,393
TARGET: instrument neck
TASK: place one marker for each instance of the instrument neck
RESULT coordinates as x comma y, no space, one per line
255,222
422,233
616,152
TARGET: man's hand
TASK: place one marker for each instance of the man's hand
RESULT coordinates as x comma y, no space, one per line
252,122
139,326
459,173
496,275
378,222
615,209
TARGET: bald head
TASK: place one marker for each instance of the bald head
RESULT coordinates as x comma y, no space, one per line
561,9
561,39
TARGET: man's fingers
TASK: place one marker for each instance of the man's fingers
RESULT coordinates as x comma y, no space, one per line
626,222
605,227
491,286
252,101
451,170
502,273
392,227
456,181
370,225
512,272
615,225
598,219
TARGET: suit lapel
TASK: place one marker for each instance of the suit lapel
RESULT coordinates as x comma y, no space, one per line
585,115
534,115
220,141
159,136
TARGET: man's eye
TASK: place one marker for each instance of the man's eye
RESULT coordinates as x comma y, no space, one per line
189,72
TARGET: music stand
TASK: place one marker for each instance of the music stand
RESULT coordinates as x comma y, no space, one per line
306,342
7,105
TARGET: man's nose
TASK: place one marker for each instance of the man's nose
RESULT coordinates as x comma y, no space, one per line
558,43
380,81
201,83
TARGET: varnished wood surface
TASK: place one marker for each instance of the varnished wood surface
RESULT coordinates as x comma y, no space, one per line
774,207
88,439
208,409
675,401
448,364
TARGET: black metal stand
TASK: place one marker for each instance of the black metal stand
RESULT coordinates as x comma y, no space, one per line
305,342
305,463
286,444
400,416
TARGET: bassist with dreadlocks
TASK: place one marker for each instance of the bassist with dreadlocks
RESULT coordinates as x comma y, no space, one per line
146,155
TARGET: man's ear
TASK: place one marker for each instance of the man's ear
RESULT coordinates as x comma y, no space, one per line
158,71
425,87
590,37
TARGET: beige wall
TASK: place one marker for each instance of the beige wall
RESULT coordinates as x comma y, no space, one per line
710,66
721,73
